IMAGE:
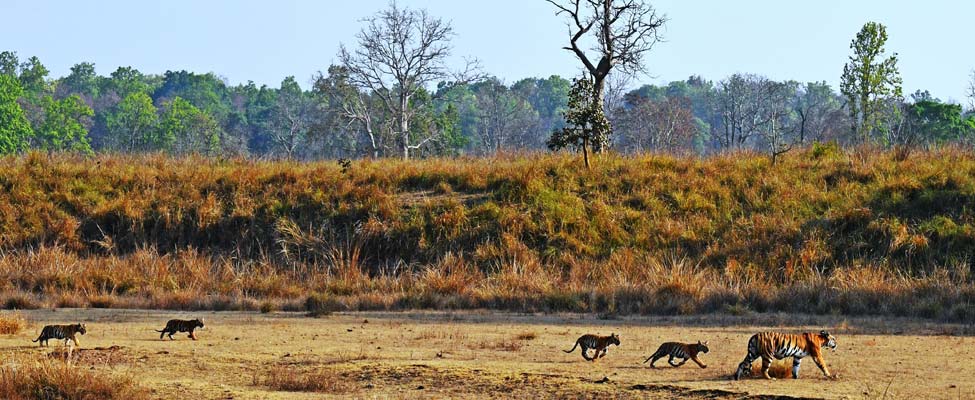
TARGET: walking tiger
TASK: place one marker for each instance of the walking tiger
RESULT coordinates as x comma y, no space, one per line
768,345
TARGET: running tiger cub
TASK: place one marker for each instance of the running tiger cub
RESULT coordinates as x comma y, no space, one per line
66,332
598,343
179,325
768,345
683,351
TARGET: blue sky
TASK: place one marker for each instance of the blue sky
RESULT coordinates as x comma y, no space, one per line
265,41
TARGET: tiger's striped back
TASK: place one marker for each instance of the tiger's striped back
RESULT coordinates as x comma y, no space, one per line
65,332
677,350
598,343
769,345
180,325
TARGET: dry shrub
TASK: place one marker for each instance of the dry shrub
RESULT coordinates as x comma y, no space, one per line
290,379
26,379
526,336
12,323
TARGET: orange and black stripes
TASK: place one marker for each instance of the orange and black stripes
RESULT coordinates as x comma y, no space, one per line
599,343
769,345
683,351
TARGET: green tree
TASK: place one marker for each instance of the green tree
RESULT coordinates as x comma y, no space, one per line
15,130
587,128
185,129
65,126
132,124
82,80
870,81
930,121
9,63
32,76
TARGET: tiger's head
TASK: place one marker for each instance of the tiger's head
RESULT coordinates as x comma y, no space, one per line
81,328
703,346
828,340
614,339
198,323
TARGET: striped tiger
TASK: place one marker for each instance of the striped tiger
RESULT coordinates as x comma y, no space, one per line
180,325
768,345
683,351
66,332
598,343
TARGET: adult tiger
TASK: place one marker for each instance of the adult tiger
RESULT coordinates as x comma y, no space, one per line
599,343
768,345
66,332
683,351
180,325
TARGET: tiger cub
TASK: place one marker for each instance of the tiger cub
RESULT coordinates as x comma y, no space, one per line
598,343
768,345
179,325
66,332
683,351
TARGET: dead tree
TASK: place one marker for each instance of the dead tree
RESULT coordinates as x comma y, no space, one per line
399,53
623,32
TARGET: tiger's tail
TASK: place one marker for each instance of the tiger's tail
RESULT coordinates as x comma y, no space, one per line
35,340
573,347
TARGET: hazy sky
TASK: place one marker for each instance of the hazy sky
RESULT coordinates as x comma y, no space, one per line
265,41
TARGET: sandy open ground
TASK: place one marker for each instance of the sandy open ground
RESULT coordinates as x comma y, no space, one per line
486,354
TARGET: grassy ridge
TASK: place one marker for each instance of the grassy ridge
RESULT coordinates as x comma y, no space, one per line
833,232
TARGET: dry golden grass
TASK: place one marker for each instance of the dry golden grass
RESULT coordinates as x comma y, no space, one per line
23,378
822,231
248,355
12,323
291,379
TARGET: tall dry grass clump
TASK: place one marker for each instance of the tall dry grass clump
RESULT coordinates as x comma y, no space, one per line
26,379
290,379
12,323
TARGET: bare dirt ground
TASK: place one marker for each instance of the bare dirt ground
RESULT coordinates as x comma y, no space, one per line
500,355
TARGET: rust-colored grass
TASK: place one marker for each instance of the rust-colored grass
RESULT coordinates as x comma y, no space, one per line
23,378
12,323
822,231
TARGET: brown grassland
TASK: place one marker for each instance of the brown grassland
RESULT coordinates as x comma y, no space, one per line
471,354
823,231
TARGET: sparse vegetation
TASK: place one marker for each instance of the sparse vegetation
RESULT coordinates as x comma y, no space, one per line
28,379
291,379
821,232
12,323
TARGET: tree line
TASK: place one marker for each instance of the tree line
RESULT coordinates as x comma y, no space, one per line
391,94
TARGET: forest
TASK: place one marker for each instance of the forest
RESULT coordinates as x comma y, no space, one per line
353,110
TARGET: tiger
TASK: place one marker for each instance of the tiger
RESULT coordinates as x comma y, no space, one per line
180,325
66,332
679,350
598,343
768,345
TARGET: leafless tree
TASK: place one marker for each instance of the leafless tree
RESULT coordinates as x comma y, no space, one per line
623,31
661,126
504,117
292,116
775,110
739,110
399,53
971,92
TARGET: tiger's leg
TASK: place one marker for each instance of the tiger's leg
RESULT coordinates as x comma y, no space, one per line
192,335
654,359
699,363
682,362
796,361
162,334
671,361
603,353
585,354
171,333
766,364
821,363
745,367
